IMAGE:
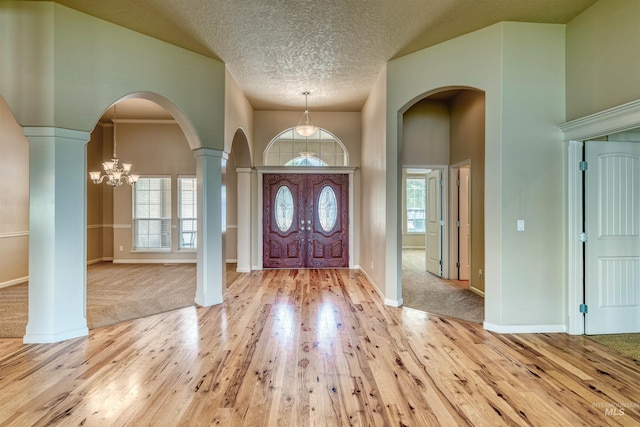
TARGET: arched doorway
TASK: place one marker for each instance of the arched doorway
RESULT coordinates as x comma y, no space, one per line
145,232
444,132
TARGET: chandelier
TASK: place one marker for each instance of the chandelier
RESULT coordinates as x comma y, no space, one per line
305,127
114,173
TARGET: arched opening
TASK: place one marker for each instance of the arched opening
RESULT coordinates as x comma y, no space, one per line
141,239
442,225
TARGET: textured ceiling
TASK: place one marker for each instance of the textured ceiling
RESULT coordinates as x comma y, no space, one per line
275,49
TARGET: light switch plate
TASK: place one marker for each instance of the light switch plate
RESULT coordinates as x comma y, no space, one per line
520,225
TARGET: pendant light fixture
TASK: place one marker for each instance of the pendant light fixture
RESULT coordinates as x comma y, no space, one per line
305,127
114,174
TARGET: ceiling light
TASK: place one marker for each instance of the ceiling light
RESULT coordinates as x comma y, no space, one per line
114,174
305,127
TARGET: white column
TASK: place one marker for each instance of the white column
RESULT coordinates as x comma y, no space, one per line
57,234
211,270
244,220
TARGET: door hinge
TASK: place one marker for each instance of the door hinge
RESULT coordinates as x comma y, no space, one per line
441,183
584,238
458,224
458,183
584,166
441,222
457,265
584,308
440,262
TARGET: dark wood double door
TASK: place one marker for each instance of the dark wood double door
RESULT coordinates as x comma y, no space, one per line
305,220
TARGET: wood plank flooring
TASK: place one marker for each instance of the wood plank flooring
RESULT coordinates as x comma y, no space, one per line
314,348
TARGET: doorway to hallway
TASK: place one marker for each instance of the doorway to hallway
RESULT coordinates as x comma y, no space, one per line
305,220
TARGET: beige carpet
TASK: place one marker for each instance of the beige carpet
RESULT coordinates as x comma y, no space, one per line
115,293
627,344
426,292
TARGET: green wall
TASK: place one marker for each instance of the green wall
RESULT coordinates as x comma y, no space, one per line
603,65
62,68
520,67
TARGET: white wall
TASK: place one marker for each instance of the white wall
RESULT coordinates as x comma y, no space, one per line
372,195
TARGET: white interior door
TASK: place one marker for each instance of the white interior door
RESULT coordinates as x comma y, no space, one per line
464,218
434,223
612,211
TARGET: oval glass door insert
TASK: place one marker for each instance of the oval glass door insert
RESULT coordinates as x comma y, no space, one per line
284,208
327,208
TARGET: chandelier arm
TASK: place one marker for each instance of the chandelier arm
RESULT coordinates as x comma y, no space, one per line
115,140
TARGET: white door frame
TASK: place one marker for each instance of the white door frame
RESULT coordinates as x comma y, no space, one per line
453,217
607,122
434,225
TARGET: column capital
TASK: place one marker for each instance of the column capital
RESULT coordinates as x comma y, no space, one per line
244,170
209,152
54,132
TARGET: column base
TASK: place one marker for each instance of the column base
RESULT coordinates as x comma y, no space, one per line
57,337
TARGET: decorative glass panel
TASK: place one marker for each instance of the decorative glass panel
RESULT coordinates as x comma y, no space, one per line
327,208
291,149
284,208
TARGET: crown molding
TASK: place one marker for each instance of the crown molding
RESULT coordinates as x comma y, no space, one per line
606,122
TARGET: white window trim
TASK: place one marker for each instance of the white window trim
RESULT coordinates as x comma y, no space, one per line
179,226
136,249
406,176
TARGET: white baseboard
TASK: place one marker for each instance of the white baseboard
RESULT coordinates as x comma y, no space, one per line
524,329
393,302
477,291
53,338
14,282
232,261
243,270
386,301
154,261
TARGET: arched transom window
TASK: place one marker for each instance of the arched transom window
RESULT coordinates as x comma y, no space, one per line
291,149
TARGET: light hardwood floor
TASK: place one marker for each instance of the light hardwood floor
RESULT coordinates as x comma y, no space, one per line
313,347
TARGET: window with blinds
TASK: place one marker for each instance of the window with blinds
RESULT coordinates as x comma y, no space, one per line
188,212
152,213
